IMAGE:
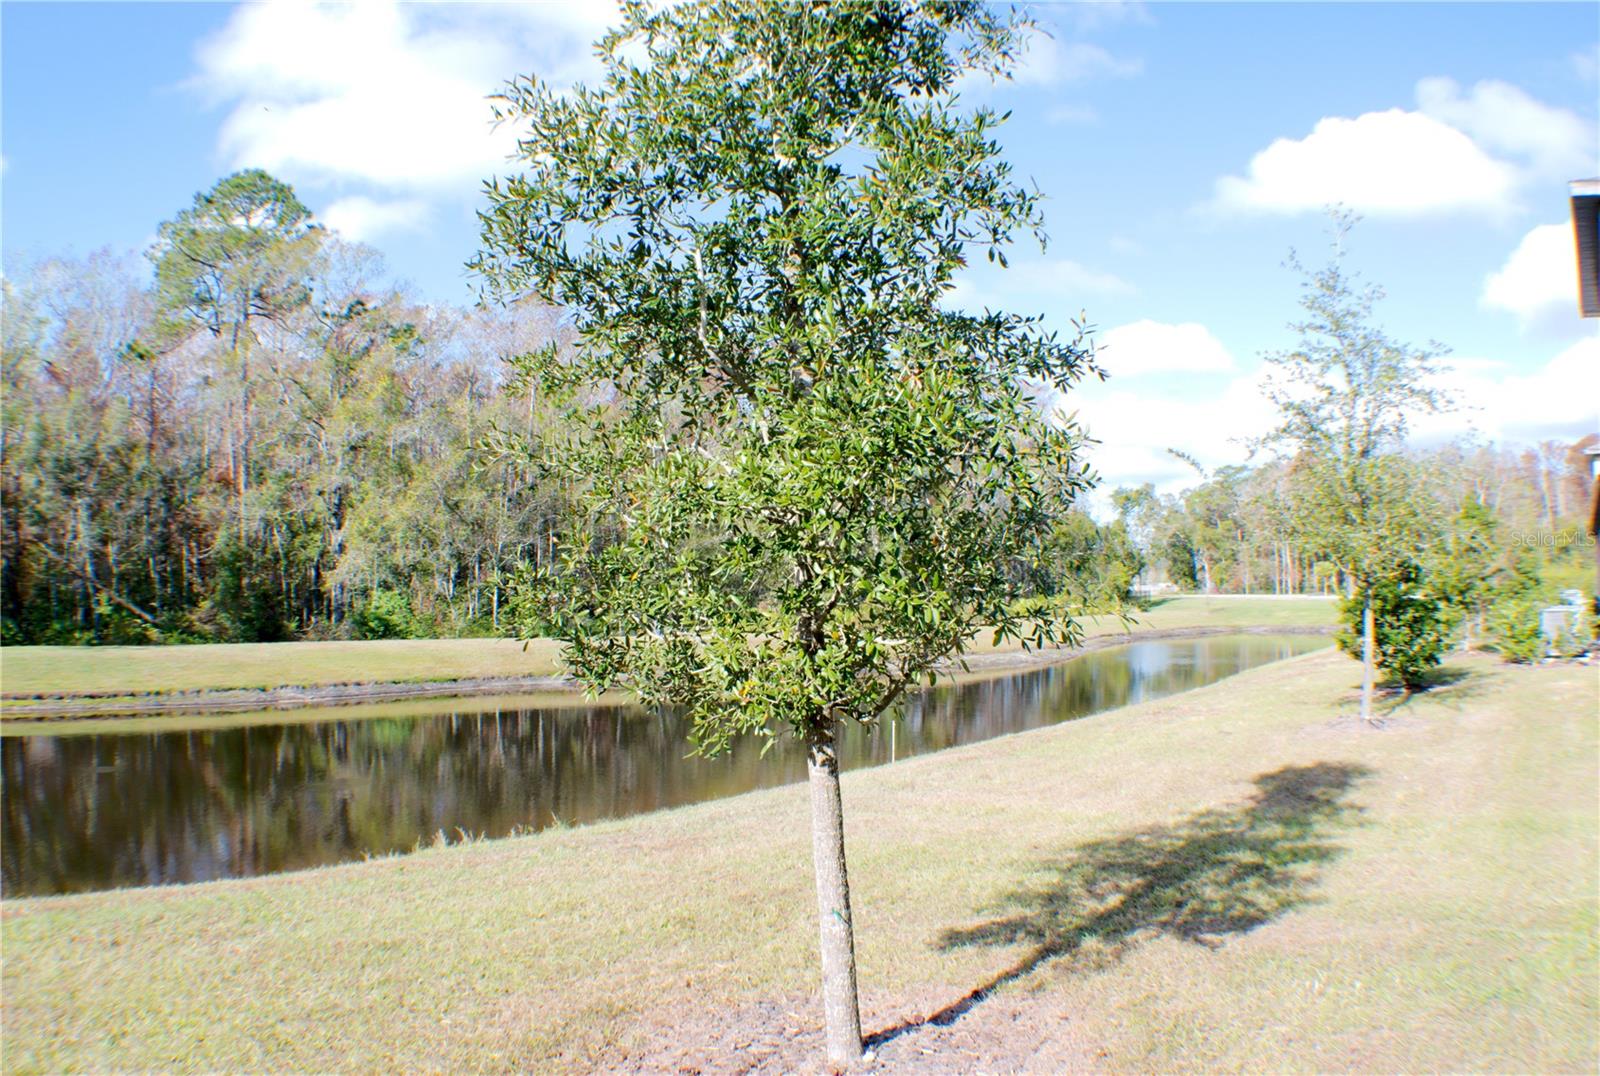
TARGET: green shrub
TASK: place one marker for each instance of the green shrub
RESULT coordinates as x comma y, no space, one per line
1528,587
244,604
1178,556
1411,624
1513,625
62,633
387,615
118,627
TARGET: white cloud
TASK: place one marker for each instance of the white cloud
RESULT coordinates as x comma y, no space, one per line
1459,150
1558,400
1216,418
1135,424
1091,16
1539,282
1049,61
1392,162
1152,347
1060,274
1555,143
359,218
382,93
1136,427
1037,284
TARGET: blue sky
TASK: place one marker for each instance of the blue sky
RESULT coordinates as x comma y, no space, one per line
1183,148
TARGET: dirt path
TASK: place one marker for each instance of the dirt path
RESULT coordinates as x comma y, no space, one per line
247,700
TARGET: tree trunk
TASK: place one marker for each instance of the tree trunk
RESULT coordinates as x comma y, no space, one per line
839,1003
1368,645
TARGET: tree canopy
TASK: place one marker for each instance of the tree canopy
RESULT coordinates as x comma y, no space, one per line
754,217
1345,397
239,252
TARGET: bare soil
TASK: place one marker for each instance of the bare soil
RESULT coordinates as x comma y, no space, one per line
1010,1031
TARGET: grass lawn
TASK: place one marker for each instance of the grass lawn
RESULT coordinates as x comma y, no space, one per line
65,670
42,670
1240,877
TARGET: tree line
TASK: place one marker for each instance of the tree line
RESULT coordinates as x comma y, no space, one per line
257,436
260,440
1236,531
252,434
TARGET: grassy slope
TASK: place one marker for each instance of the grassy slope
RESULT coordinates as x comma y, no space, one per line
27,670
1445,920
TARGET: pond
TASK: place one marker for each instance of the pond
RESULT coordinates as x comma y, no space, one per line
98,811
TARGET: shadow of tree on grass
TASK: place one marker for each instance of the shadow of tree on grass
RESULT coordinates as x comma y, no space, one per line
1450,685
1219,872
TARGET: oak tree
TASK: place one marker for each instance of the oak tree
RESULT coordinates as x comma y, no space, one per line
802,482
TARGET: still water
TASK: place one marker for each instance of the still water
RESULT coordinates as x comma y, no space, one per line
85,812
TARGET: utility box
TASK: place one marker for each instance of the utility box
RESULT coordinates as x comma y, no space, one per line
1559,625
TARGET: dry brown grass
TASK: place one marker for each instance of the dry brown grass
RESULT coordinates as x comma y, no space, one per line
1235,878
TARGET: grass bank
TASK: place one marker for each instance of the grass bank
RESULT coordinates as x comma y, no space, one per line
135,670
1236,878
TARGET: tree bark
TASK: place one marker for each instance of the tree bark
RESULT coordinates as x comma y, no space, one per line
839,1001
1368,646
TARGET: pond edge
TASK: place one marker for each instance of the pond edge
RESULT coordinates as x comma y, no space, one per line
252,700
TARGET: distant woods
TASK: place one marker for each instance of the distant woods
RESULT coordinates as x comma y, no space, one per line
264,438
261,440
1257,530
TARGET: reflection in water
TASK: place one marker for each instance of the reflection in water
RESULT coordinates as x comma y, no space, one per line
99,811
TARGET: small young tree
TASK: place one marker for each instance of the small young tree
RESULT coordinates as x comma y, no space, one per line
803,482
1344,398
1411,628
1463,565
